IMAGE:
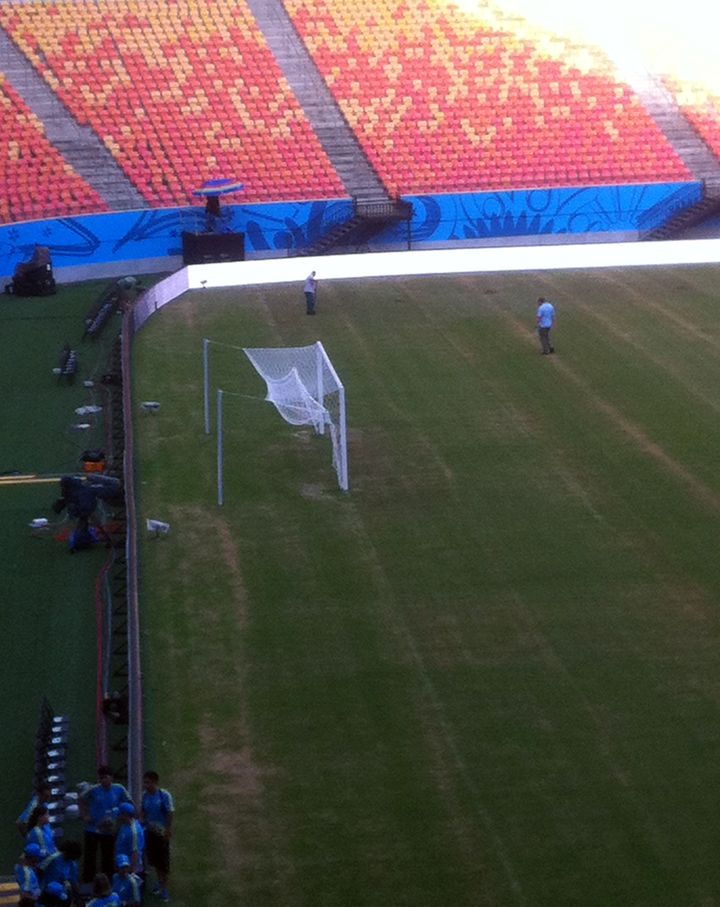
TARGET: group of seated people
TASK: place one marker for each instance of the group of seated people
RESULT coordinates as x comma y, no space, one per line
48,872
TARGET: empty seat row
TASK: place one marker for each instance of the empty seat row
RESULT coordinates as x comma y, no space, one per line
166,71
449,79
701,106
36,180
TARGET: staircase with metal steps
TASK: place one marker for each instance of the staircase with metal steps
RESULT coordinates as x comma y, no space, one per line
367,222
697,156
659,102
686,219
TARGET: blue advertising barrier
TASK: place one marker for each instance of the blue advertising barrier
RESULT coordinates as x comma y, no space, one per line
280,228
156,233
544,212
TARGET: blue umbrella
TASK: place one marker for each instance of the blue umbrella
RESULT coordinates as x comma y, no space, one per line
218,187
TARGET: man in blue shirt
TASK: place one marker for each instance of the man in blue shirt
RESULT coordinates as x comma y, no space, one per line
157,811
99,809
545,320
310,290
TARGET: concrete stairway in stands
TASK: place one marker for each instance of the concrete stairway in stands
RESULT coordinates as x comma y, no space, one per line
689,145
79,145
346,156
660,104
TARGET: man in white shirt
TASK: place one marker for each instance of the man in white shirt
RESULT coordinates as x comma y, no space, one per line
310,289
545,321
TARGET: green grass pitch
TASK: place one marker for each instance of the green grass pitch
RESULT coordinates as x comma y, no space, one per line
489,674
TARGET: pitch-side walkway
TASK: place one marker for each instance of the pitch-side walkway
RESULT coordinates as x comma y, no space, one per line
457,261
426,262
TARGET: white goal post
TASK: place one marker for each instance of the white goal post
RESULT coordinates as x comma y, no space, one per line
304,387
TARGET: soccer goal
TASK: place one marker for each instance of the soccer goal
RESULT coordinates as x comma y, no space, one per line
305,389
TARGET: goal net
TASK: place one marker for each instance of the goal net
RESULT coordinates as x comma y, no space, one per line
305,389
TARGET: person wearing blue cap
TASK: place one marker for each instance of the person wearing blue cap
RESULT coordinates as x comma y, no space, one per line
99,809
102,893
26,876
130,841
125,884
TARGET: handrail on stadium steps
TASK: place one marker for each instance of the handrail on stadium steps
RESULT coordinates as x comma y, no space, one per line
383,208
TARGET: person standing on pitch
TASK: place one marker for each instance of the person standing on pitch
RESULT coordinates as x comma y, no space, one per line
545,319
310,289
157,814
99,811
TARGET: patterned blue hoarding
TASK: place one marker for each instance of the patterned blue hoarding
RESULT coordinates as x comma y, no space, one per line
281,228
544,212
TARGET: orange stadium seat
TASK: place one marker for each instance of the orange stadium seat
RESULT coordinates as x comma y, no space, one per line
36,180
439,99
487,80
179,63
701,106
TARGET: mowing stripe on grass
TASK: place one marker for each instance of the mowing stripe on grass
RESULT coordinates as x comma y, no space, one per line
492,673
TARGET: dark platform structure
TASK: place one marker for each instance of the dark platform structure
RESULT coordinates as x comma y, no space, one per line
204,248
33,277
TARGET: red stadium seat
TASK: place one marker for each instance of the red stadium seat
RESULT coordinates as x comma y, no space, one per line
35,177
450,101
166,51
479,76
